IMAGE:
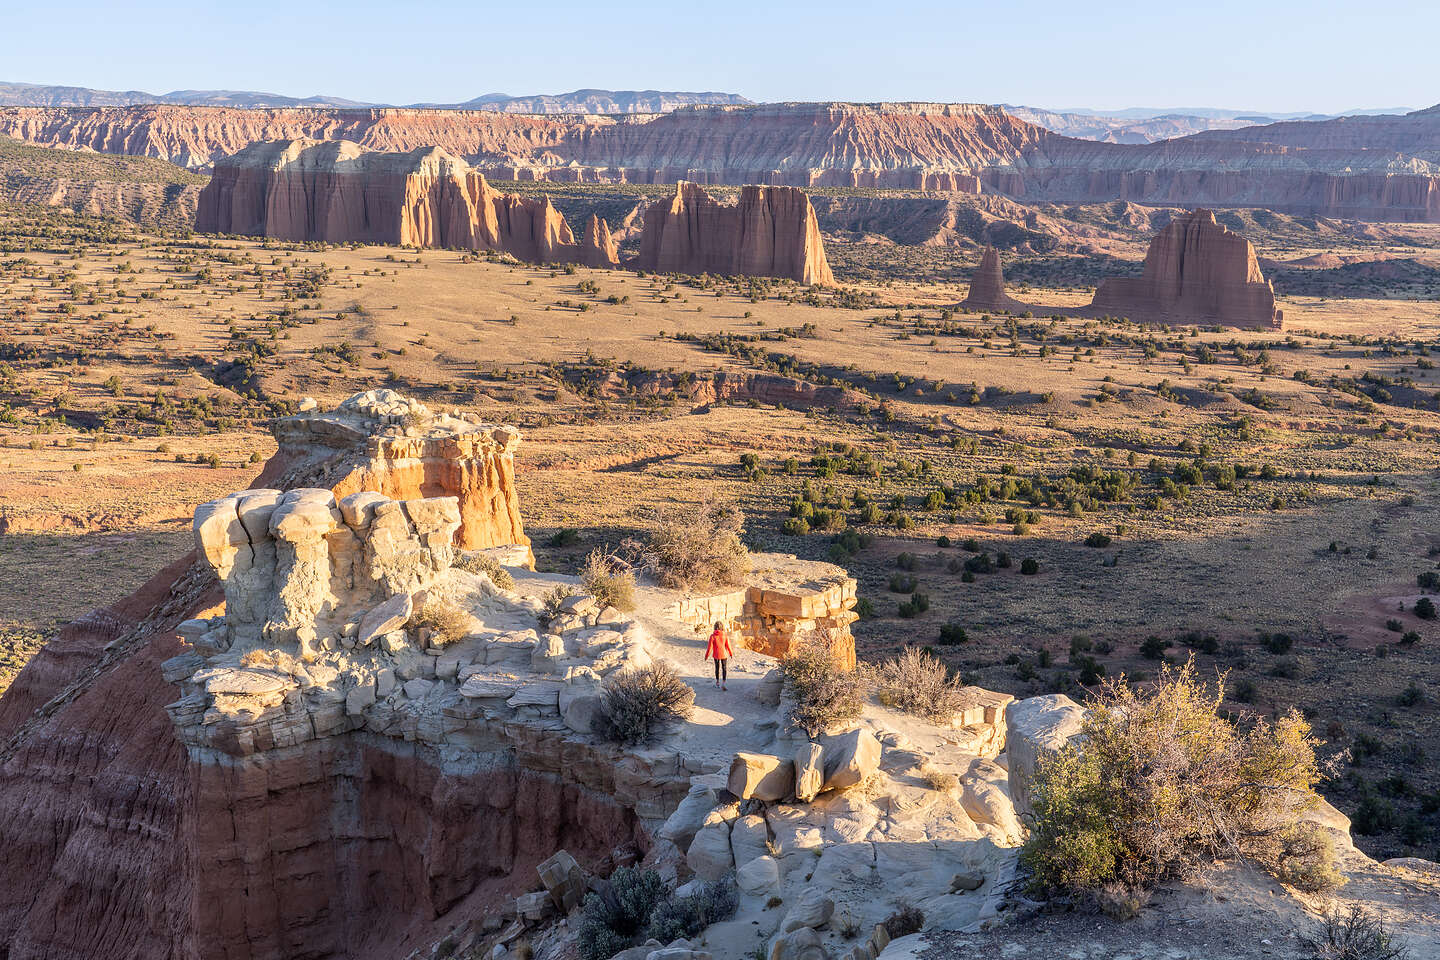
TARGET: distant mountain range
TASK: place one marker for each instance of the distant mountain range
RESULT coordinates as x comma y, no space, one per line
578,101
1140,125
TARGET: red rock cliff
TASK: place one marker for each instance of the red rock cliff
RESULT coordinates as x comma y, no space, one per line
124,843
771,232
1196,271
336,191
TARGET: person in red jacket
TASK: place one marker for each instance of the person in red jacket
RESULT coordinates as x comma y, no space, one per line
718,649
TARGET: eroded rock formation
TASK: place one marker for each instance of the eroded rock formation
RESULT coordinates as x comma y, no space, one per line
1196,271
770,232
987,287
337,191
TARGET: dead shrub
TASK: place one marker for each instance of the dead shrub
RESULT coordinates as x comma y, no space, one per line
919,684
1356,935
941,780
1159,783
447,622
906,919
473,561
635,702
696,546
1120,901
609,580
821,693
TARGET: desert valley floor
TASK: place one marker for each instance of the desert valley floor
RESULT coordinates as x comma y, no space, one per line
1267,500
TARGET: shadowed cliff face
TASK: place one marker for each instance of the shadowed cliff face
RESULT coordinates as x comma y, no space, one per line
771,232
337,192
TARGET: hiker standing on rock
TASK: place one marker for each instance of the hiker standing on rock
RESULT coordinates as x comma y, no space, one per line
718,649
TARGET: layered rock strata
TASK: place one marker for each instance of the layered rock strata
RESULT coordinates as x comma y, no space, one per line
770,232
384,443
773,618
339,192
1367,168
1196,271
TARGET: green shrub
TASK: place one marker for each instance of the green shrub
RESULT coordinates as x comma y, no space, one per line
564,537
614,917
916,605
952,634
1097,539
903,583
473,561
1425,609
821,693
795,526
634,703
684,917
1160,783
1029,566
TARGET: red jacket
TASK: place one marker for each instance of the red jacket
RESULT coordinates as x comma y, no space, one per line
719,646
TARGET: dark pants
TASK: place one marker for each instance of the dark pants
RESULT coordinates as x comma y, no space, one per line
720,671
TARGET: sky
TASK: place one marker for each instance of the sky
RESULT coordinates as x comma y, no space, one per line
1277,56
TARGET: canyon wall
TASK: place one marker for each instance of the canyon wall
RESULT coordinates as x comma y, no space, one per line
1196,271
1368,168
770,232
336,191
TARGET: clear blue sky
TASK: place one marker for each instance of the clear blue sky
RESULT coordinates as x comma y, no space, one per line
1267,55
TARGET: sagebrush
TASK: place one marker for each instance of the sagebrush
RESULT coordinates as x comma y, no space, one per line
473,561
635,702
696,546
1159,782
610,582
820,691
918,683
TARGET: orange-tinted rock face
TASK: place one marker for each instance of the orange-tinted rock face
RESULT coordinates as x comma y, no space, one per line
1196,271
771,232
338,192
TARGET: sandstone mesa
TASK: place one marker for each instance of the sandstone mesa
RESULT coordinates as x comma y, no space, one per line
1368,168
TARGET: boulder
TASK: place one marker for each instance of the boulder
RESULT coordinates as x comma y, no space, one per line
809,771
850,758
1036,726
749,838
811,909
382,619
709,853
762,776
801,944
761,875
563,879
768,690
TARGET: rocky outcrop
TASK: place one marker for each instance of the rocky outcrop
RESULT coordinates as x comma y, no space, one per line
1196,271
727,386
770,232
987,287
382,442
789,603
338,192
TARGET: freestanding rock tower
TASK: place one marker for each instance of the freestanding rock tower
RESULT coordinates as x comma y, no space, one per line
1196,271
